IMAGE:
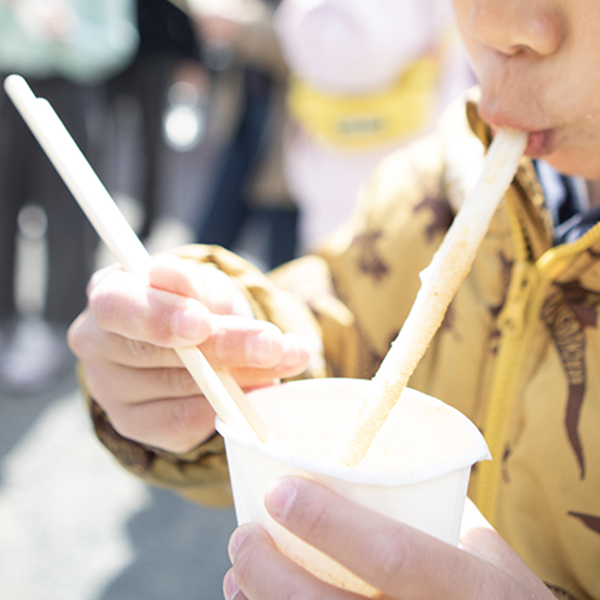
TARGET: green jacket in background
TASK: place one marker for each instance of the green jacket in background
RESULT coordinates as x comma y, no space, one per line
101,40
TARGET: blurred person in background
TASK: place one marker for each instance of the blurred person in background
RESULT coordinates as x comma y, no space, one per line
367,76
240,41
168,51
65,49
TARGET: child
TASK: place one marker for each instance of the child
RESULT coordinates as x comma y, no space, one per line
518,351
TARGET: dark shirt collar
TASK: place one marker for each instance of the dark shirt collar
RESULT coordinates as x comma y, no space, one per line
568,202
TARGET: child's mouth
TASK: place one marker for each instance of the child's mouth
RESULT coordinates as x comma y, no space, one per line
541,143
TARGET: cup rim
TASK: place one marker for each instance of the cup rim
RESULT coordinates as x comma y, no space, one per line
477,452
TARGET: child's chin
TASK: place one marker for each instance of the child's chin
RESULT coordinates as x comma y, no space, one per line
583,163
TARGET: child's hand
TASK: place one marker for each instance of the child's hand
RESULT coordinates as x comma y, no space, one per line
124,340
399,560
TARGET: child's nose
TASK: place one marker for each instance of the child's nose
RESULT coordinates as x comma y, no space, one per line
511,26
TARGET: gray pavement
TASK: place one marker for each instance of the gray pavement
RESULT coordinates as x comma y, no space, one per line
75,526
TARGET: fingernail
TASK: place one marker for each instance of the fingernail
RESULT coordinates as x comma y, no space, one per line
235,541
280,498
259,348
190,323
230,586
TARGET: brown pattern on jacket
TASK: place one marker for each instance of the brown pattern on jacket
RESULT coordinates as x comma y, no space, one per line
560,593
369,258
368,360
590,521
140,458
442,214
506,267
449,320
495,310
566,312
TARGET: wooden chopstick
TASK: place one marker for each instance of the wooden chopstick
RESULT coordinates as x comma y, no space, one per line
112,227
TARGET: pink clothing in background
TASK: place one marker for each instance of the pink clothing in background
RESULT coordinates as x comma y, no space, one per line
356,47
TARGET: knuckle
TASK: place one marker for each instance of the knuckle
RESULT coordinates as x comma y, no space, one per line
394,556
186,418
218,346
144,353
249,560
317,524
249,569
222,306
245,564
222,295
156,327
102,304
186,425
179,382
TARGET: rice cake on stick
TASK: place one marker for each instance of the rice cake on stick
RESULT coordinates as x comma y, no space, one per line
439,283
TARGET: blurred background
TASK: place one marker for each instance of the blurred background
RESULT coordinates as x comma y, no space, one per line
228,122
73,525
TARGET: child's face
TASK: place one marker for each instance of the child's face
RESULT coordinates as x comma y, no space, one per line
538,64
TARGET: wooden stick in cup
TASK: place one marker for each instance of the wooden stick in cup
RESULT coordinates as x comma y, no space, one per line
225,396
439,283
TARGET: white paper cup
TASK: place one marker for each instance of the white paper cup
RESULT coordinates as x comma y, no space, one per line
416,471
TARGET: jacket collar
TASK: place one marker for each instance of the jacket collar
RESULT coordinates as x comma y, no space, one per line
581,257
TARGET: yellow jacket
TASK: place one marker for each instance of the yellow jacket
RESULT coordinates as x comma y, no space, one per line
518,352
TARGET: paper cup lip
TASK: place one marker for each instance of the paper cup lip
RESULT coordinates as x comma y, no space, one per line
477,452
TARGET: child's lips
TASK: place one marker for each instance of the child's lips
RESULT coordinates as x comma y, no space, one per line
541,143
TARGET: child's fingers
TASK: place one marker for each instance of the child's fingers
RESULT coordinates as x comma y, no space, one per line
236,343
244,343
205,283
173,424
263,573
393,557
123,304
112,385
397,559
89,342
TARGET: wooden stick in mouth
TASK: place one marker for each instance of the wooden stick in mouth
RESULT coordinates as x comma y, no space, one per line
439,283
